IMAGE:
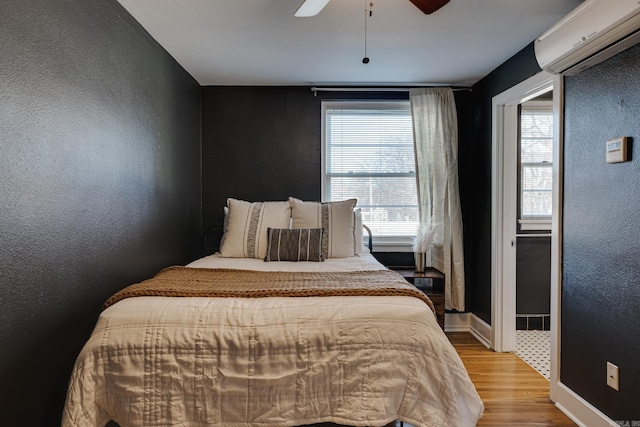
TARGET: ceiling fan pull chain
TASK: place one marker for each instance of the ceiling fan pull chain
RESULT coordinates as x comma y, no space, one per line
365,60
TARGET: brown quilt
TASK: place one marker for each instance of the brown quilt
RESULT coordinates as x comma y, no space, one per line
224,283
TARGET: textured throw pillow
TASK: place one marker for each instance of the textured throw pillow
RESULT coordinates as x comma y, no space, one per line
337,220
247,223
302,244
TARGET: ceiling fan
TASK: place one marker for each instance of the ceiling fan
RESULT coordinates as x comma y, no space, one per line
313,7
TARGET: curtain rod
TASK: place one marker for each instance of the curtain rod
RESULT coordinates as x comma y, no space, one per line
316,89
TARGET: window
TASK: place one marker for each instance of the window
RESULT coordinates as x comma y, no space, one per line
368,154
536,163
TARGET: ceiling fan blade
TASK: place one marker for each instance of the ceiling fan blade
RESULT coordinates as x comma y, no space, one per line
311,8
428,6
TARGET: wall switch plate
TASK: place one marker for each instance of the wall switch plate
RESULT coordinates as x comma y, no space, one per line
617,150
612,376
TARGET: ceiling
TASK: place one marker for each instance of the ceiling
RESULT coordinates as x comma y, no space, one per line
260,42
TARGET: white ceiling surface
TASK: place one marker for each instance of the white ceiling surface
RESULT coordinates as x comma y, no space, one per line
260,42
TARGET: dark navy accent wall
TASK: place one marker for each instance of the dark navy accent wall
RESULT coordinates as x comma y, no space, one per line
601,241
99,183
517,69
533,275
264,143
259,143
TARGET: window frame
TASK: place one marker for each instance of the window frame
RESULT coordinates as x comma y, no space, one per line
531,223
387,243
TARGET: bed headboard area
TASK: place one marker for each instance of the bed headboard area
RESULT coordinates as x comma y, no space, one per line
211,239
213,236
340,221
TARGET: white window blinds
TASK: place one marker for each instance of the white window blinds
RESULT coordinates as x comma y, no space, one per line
536,160
368,154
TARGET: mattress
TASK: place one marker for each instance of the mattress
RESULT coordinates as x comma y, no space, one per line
277,361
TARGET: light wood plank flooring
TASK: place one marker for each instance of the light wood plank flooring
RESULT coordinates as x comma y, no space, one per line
514,394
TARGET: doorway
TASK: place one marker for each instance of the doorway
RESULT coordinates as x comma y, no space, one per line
533,231
505,211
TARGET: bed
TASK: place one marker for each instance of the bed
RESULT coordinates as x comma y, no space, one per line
286,343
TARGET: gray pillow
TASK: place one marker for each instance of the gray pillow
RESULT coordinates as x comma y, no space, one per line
300,244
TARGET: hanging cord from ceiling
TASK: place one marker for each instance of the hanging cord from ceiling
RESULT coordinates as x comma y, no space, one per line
365,60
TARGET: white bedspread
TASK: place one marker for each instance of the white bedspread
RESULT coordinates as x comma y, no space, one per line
361,361
364,262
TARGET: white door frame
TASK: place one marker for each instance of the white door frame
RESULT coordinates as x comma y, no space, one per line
504,214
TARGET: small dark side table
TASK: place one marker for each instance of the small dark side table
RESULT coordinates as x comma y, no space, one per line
431,282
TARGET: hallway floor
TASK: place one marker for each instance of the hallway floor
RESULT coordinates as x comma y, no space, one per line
534,347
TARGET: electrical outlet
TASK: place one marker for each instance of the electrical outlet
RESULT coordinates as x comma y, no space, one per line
612,376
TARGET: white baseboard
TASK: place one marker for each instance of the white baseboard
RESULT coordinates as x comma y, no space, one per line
456,322
579,410
468,322
480,329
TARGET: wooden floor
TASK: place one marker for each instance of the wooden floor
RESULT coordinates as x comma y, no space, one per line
514,394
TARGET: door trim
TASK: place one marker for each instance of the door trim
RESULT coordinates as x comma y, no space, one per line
504,205
556,235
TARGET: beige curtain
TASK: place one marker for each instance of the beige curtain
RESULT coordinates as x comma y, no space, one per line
435,127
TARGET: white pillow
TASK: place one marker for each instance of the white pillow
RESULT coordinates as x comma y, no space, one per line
225,224
336,218
246,235
361,246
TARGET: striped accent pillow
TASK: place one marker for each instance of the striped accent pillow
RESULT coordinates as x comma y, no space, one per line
302,244
246,234
337,220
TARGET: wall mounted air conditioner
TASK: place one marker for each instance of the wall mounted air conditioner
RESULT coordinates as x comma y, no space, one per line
594,31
